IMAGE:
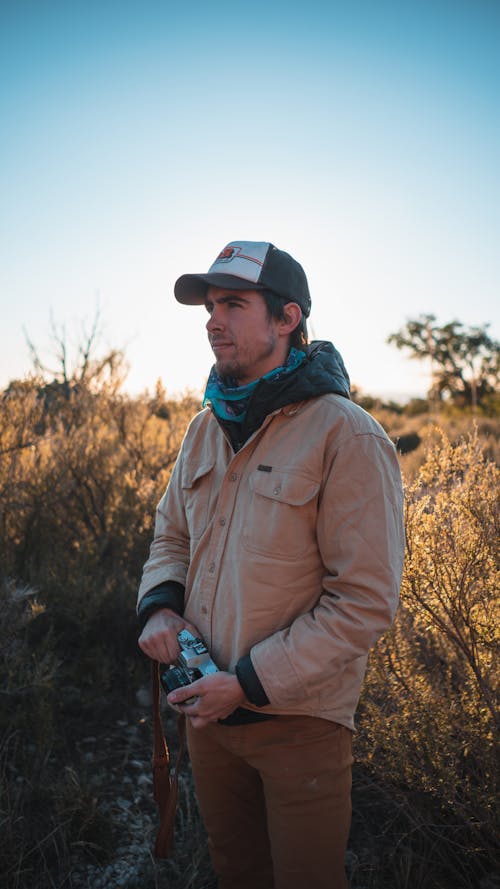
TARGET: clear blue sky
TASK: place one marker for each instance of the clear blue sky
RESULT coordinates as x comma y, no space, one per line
137,139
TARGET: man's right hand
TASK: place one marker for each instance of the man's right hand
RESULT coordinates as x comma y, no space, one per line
159,637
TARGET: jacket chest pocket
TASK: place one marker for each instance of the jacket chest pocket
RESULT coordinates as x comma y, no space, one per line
281,520
197,484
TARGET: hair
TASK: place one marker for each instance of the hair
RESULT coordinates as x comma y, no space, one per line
275,305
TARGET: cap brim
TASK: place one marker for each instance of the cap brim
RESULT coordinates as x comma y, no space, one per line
191,290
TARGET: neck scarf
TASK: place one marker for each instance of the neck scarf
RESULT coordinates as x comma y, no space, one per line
230,401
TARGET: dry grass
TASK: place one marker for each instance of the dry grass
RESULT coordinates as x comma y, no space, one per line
78,485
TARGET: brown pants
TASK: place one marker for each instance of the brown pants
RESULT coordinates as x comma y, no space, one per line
275,798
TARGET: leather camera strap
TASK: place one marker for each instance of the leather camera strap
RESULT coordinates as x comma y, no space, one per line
165,787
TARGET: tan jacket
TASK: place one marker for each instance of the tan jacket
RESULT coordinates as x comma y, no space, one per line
290,550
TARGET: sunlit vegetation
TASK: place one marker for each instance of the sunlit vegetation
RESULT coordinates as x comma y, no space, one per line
82,466
429,709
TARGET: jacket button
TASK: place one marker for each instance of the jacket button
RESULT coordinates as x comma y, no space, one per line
222,521
211,568
277,489
233,477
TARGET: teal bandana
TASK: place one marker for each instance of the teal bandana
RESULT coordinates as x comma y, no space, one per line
230,401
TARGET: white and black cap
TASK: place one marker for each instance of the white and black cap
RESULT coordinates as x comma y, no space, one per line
249,265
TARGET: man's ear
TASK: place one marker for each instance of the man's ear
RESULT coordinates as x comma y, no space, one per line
292,313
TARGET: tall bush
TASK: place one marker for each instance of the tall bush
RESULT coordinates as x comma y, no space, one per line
81,469
429,712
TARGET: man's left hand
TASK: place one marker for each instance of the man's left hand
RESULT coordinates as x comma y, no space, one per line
216,697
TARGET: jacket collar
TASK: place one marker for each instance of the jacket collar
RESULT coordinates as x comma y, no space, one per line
323,372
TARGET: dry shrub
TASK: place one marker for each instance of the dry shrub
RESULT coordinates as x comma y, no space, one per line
429,708
81,470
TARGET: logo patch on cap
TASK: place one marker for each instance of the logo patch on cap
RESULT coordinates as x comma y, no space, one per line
226,254
246,259
230,253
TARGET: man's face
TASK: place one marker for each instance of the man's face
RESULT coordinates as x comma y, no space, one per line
246,343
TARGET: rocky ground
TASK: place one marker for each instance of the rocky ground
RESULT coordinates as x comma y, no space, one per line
120,775
385,846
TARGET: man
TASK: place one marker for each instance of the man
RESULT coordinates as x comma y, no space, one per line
279,541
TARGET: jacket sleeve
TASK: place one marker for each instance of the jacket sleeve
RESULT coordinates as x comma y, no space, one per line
168,560
250,682
360,536
166,595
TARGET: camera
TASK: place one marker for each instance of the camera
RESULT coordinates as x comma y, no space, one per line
193,663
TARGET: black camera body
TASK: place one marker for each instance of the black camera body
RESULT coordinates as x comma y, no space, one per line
193,663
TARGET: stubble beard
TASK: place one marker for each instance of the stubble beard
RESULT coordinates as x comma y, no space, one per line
237,369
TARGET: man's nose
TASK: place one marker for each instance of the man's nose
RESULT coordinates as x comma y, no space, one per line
215,321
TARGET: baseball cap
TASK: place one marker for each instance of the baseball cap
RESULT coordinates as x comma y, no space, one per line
249,265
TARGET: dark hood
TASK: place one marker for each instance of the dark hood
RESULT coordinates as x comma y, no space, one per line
323,372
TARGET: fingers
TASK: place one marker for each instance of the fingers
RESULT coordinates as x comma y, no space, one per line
161,645
159,636
191,708
158,650
216,697
183,709
183,696
158,639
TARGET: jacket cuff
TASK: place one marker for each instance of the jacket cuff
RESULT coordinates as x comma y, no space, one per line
250,682
169,594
